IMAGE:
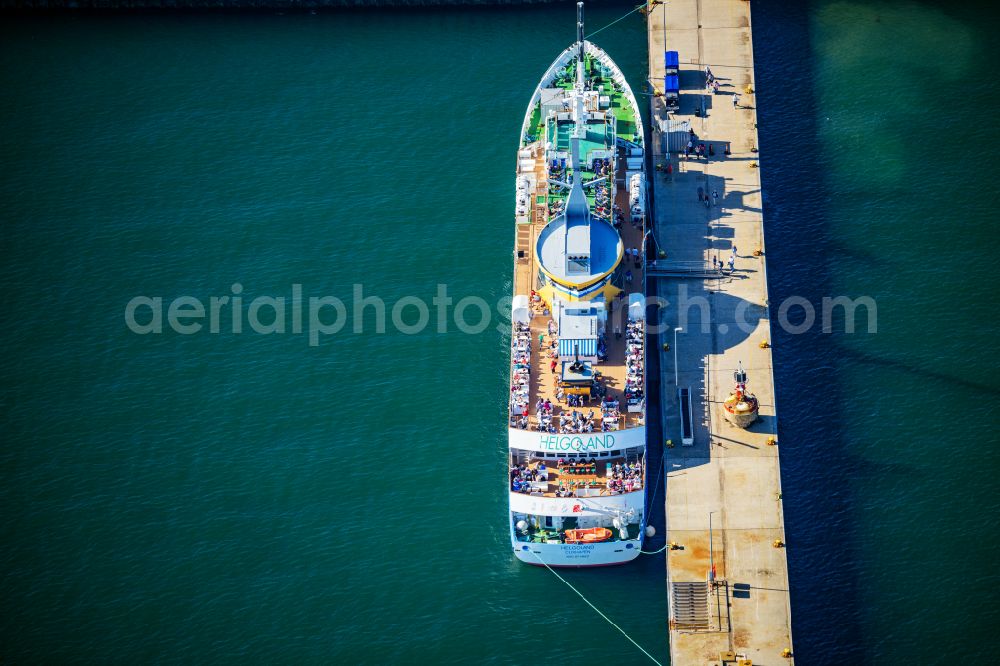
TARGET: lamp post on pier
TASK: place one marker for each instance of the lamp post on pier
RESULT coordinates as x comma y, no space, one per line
711,552
676,380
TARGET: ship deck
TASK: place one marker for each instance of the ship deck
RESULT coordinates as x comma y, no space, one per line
596,477
543,381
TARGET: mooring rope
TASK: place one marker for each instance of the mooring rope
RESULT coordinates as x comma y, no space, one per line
596,609
642,6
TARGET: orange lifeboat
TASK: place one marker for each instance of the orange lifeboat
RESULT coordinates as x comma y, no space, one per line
590,535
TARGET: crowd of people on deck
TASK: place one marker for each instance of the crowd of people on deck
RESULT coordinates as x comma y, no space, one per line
634,359
556,207
576,422
520,387
610,414
619,217
625,478
544,411
570,420
522,476
620,477
602,201
601,167
519,422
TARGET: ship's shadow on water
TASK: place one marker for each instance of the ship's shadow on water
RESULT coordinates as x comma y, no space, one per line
819,505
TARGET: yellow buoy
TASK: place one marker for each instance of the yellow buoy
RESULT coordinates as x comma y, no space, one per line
778,543
764,344
787,652
771,441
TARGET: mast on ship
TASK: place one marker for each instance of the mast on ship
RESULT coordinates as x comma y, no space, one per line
579,45
579,124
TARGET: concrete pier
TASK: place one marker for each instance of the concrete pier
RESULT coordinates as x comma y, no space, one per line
729,477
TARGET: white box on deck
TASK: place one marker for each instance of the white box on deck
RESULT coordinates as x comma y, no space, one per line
636,307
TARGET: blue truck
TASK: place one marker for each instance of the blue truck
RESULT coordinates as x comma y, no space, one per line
671,81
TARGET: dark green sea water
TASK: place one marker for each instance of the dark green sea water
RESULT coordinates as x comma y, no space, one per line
251,498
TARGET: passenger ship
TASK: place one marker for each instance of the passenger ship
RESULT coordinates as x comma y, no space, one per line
577,435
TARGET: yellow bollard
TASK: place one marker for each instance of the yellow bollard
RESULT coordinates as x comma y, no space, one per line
786,653
778,543
771,441
764,344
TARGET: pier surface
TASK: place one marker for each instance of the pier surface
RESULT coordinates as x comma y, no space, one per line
729,477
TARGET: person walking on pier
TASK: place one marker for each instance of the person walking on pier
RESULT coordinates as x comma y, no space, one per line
715,197
736,101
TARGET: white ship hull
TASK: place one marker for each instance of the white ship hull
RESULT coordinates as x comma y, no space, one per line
577,436
577,555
